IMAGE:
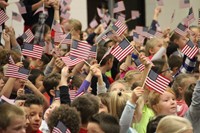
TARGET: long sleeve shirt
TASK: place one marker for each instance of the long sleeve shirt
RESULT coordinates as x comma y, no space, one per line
193,113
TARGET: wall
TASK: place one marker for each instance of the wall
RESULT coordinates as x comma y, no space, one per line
78,11
167,10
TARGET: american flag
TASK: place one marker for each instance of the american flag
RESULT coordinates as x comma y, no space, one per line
160,2
93,23
190,49
71,60
142,31
181,29
21,7
72,94
58,37
155,33
80,49
61,128
34,51
107,18
3,17
135,14
139,65
93,51
16,72
28,36
65,15
16,16
172,17
156,82
119,7
184,3
107,35
56,26
121,17
119,27
138,38
190,18
68,38
122,50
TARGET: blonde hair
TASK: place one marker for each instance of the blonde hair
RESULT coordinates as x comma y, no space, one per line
117,103
173,124
121,81
154,97
76,24
130,75
150,44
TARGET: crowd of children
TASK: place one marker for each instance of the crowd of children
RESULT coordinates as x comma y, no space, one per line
101,94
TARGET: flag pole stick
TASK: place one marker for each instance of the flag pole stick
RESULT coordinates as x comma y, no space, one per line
64,38
126,21
87,63
146,78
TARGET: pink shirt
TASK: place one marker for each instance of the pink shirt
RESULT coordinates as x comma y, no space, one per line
181,108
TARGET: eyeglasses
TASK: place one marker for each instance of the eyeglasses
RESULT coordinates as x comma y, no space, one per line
168,69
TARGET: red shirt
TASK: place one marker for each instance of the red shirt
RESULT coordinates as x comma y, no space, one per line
82,130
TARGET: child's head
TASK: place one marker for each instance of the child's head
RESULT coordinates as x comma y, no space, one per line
103,123
51,82
174,124
12,120
196,32
36,77
68,116
163,104
132,76
161,67
178,40
119,85
87,106
74,26
34,108
181,83
104,102
117,103
152,125
152,46
188,94
175,63
107,61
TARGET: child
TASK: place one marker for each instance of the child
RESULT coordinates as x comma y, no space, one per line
181,83
34,108
164,104
174,124
87,105
12,120
103,123
68,116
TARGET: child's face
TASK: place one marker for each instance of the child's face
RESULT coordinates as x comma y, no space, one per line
47,36
118,87
181,42
35,117
102,107
156,47
39,81
17,125
167,104
94,128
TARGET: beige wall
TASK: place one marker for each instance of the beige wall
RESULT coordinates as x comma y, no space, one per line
167,10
